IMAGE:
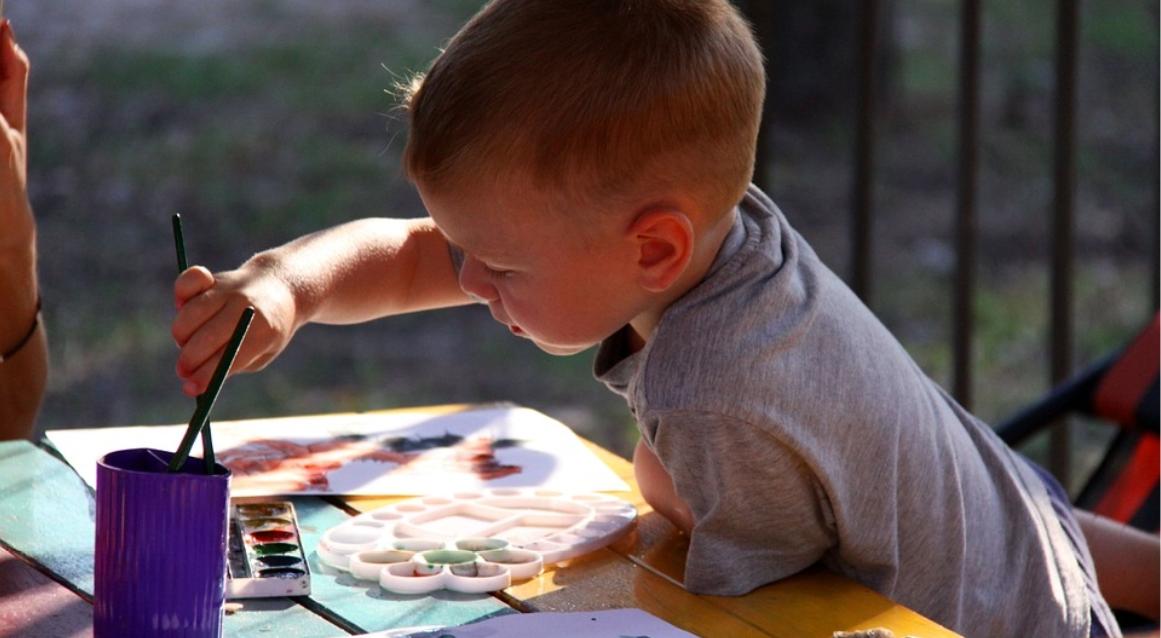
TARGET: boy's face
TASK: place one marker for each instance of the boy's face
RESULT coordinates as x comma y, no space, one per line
562,283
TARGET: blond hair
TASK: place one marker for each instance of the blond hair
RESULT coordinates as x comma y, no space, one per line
593,98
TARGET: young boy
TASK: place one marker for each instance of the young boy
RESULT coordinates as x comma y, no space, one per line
586,169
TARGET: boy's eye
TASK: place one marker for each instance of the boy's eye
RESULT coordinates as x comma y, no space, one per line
497,273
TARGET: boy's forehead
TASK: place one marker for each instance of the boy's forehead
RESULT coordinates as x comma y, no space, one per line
490,219
477,227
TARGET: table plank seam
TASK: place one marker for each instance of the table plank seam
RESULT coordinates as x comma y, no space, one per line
656,572
512,601
708,599
43,569
339,503
328,615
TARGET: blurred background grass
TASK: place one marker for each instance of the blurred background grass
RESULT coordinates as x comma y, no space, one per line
260,121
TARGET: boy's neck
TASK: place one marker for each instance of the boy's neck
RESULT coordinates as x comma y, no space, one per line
708,244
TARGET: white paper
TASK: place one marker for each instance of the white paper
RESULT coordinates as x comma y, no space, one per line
611,623
394,453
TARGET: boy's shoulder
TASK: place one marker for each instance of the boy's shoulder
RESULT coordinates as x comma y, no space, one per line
772,330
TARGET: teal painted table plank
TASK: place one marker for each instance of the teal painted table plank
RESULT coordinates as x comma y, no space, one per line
366,605
277,618
46,514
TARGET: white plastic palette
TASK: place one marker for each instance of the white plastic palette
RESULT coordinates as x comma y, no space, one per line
473,541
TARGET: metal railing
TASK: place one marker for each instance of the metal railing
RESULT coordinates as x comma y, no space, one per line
860,277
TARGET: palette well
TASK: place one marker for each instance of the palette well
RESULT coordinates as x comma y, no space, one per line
473,541
265,551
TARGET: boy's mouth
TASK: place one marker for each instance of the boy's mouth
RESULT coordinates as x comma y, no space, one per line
502,317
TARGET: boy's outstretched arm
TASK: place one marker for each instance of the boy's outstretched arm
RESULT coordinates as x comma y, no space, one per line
354,272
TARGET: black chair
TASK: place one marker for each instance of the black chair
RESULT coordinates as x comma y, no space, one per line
1121,390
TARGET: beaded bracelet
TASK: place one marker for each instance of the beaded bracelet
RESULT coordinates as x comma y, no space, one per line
27,335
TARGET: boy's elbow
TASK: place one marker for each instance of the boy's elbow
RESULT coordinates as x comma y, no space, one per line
657,489
682,517
676,511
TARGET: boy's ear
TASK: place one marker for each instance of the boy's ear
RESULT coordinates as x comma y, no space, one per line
663,239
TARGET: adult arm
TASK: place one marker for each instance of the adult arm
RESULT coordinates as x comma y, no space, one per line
24,370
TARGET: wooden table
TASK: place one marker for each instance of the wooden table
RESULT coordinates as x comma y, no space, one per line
46,575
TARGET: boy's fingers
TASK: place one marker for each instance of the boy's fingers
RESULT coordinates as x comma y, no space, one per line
13,79
194,281
194,314
196,382
260,362
199,381
208,340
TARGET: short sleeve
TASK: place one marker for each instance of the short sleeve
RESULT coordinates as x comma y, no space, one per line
759,513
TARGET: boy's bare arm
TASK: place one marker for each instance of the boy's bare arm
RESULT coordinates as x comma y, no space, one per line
1127,562
366,269
353,272
657,488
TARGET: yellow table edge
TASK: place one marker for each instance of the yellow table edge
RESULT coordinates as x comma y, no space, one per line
803,604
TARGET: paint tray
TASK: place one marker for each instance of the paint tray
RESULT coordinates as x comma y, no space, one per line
266,559
473,541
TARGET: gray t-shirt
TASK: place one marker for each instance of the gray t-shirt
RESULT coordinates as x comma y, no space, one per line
799,431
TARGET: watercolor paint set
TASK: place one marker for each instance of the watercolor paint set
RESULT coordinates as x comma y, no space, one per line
265,551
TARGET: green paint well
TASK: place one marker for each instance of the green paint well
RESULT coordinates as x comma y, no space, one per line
448,557
274,548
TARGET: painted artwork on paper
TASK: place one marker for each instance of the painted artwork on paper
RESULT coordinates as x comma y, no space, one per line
281,465
407,452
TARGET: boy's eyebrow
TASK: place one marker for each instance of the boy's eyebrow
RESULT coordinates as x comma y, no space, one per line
499,257
487,259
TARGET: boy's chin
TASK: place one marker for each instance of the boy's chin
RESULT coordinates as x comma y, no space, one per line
561,351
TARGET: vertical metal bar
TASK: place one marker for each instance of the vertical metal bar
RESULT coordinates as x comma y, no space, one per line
963,323
1156,288
1067,20
862,194
1155,291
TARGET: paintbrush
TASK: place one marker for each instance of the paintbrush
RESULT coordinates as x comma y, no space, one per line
182,265
206,401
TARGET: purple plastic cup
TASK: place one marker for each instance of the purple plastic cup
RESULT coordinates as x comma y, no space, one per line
160,566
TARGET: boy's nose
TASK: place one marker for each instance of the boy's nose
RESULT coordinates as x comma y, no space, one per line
474,281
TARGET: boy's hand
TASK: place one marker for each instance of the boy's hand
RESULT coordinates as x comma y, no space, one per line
208,309
353,272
